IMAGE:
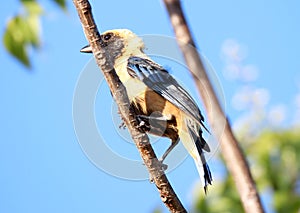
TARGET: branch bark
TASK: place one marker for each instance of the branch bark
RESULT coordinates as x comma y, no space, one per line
118,90
231,150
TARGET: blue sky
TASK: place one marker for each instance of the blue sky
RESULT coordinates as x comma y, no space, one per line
44,169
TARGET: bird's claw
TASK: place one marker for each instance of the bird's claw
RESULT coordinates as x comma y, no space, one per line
142,125
122,125
164,167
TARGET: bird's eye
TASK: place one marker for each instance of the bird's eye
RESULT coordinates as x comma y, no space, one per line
107,36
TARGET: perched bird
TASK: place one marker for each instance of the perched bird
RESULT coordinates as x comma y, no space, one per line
161,105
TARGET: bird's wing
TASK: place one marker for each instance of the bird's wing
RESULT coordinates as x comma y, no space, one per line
160,81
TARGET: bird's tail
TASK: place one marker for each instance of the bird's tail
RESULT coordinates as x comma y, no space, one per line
196,145
204,171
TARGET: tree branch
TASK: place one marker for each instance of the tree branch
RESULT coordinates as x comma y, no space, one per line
141,140
231,150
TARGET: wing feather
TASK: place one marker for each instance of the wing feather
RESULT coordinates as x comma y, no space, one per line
159,80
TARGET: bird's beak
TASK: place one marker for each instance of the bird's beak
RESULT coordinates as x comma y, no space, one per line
86,49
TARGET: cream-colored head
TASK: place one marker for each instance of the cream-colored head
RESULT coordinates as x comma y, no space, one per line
120,44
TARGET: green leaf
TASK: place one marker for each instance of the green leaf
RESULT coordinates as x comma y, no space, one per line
33,30
14,39
61,3
32,7
22,32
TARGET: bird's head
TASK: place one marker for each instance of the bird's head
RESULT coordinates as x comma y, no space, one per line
119,43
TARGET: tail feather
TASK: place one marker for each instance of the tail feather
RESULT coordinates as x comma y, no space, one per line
198,155
207,176
204,173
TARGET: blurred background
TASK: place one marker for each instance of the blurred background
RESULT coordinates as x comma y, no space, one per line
253,48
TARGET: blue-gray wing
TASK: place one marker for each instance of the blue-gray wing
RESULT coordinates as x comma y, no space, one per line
160,81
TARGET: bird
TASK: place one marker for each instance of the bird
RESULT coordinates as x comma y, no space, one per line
160,104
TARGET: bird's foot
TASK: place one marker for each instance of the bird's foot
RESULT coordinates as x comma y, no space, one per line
122,125
164,167
142,123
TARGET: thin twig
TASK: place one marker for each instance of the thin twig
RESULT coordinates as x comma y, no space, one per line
141,140
231,150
